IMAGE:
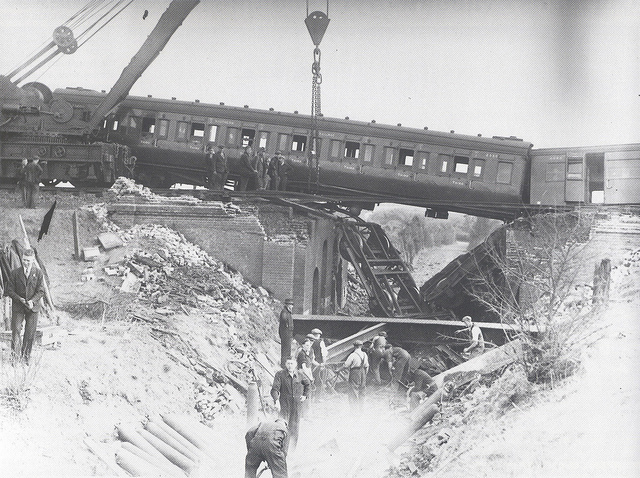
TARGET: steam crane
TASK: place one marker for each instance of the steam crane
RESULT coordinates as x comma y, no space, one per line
33,122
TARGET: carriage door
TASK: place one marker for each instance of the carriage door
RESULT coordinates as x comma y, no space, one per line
574,188
594,163
621,177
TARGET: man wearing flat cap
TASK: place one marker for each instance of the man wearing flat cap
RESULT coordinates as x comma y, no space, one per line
218,168
358,365
320,356
285,330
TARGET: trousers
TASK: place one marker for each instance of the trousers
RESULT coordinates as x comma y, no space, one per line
22,347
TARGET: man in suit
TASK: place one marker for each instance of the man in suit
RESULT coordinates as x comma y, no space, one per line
248,175
290,388
25,287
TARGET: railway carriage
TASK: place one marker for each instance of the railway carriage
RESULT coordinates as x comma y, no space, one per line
168,139
586,175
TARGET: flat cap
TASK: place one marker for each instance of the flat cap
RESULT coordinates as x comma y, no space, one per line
357,342
316,332
288,301
311,336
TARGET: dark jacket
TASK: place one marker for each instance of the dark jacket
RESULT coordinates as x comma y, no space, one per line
32,173
220,162
32,288
284,169
286,322
289,389
245,165
274,167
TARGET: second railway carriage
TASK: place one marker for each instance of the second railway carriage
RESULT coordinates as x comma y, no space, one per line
586,175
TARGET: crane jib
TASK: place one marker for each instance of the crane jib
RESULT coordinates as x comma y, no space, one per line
169,22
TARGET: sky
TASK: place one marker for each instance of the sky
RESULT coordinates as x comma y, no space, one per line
555,73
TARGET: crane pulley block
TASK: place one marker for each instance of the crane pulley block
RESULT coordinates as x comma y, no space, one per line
317,23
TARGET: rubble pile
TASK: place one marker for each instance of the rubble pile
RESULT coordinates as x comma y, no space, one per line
205,315
628,269
124,187
485,398
357,299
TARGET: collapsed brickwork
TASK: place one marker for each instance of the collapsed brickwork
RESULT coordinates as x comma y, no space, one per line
288,253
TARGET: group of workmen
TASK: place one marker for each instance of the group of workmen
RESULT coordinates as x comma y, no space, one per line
256,171
305,370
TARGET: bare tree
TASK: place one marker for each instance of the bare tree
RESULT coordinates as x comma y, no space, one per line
532,285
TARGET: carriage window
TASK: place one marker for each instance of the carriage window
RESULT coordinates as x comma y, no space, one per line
406,157
197,130
389,154
115,125
299,143
247,137
213,133
445,159
460,164
148,125
181,131
134,122
574,168
163,128
478,166
368,153
335,148
505,170
262,139
283,141
351,149
423,159
554,172
232,136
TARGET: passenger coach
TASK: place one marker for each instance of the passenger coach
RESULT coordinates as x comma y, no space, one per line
169,139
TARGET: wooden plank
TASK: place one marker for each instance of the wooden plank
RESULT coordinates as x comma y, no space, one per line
338,349
412,320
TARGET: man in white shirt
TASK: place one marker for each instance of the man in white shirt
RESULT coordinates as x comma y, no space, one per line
476,346
358,365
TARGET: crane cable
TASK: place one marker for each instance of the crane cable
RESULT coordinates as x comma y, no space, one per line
66,43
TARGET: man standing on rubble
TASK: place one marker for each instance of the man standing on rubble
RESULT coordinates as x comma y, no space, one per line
476,339
285,330
267,441
290,388
25,287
